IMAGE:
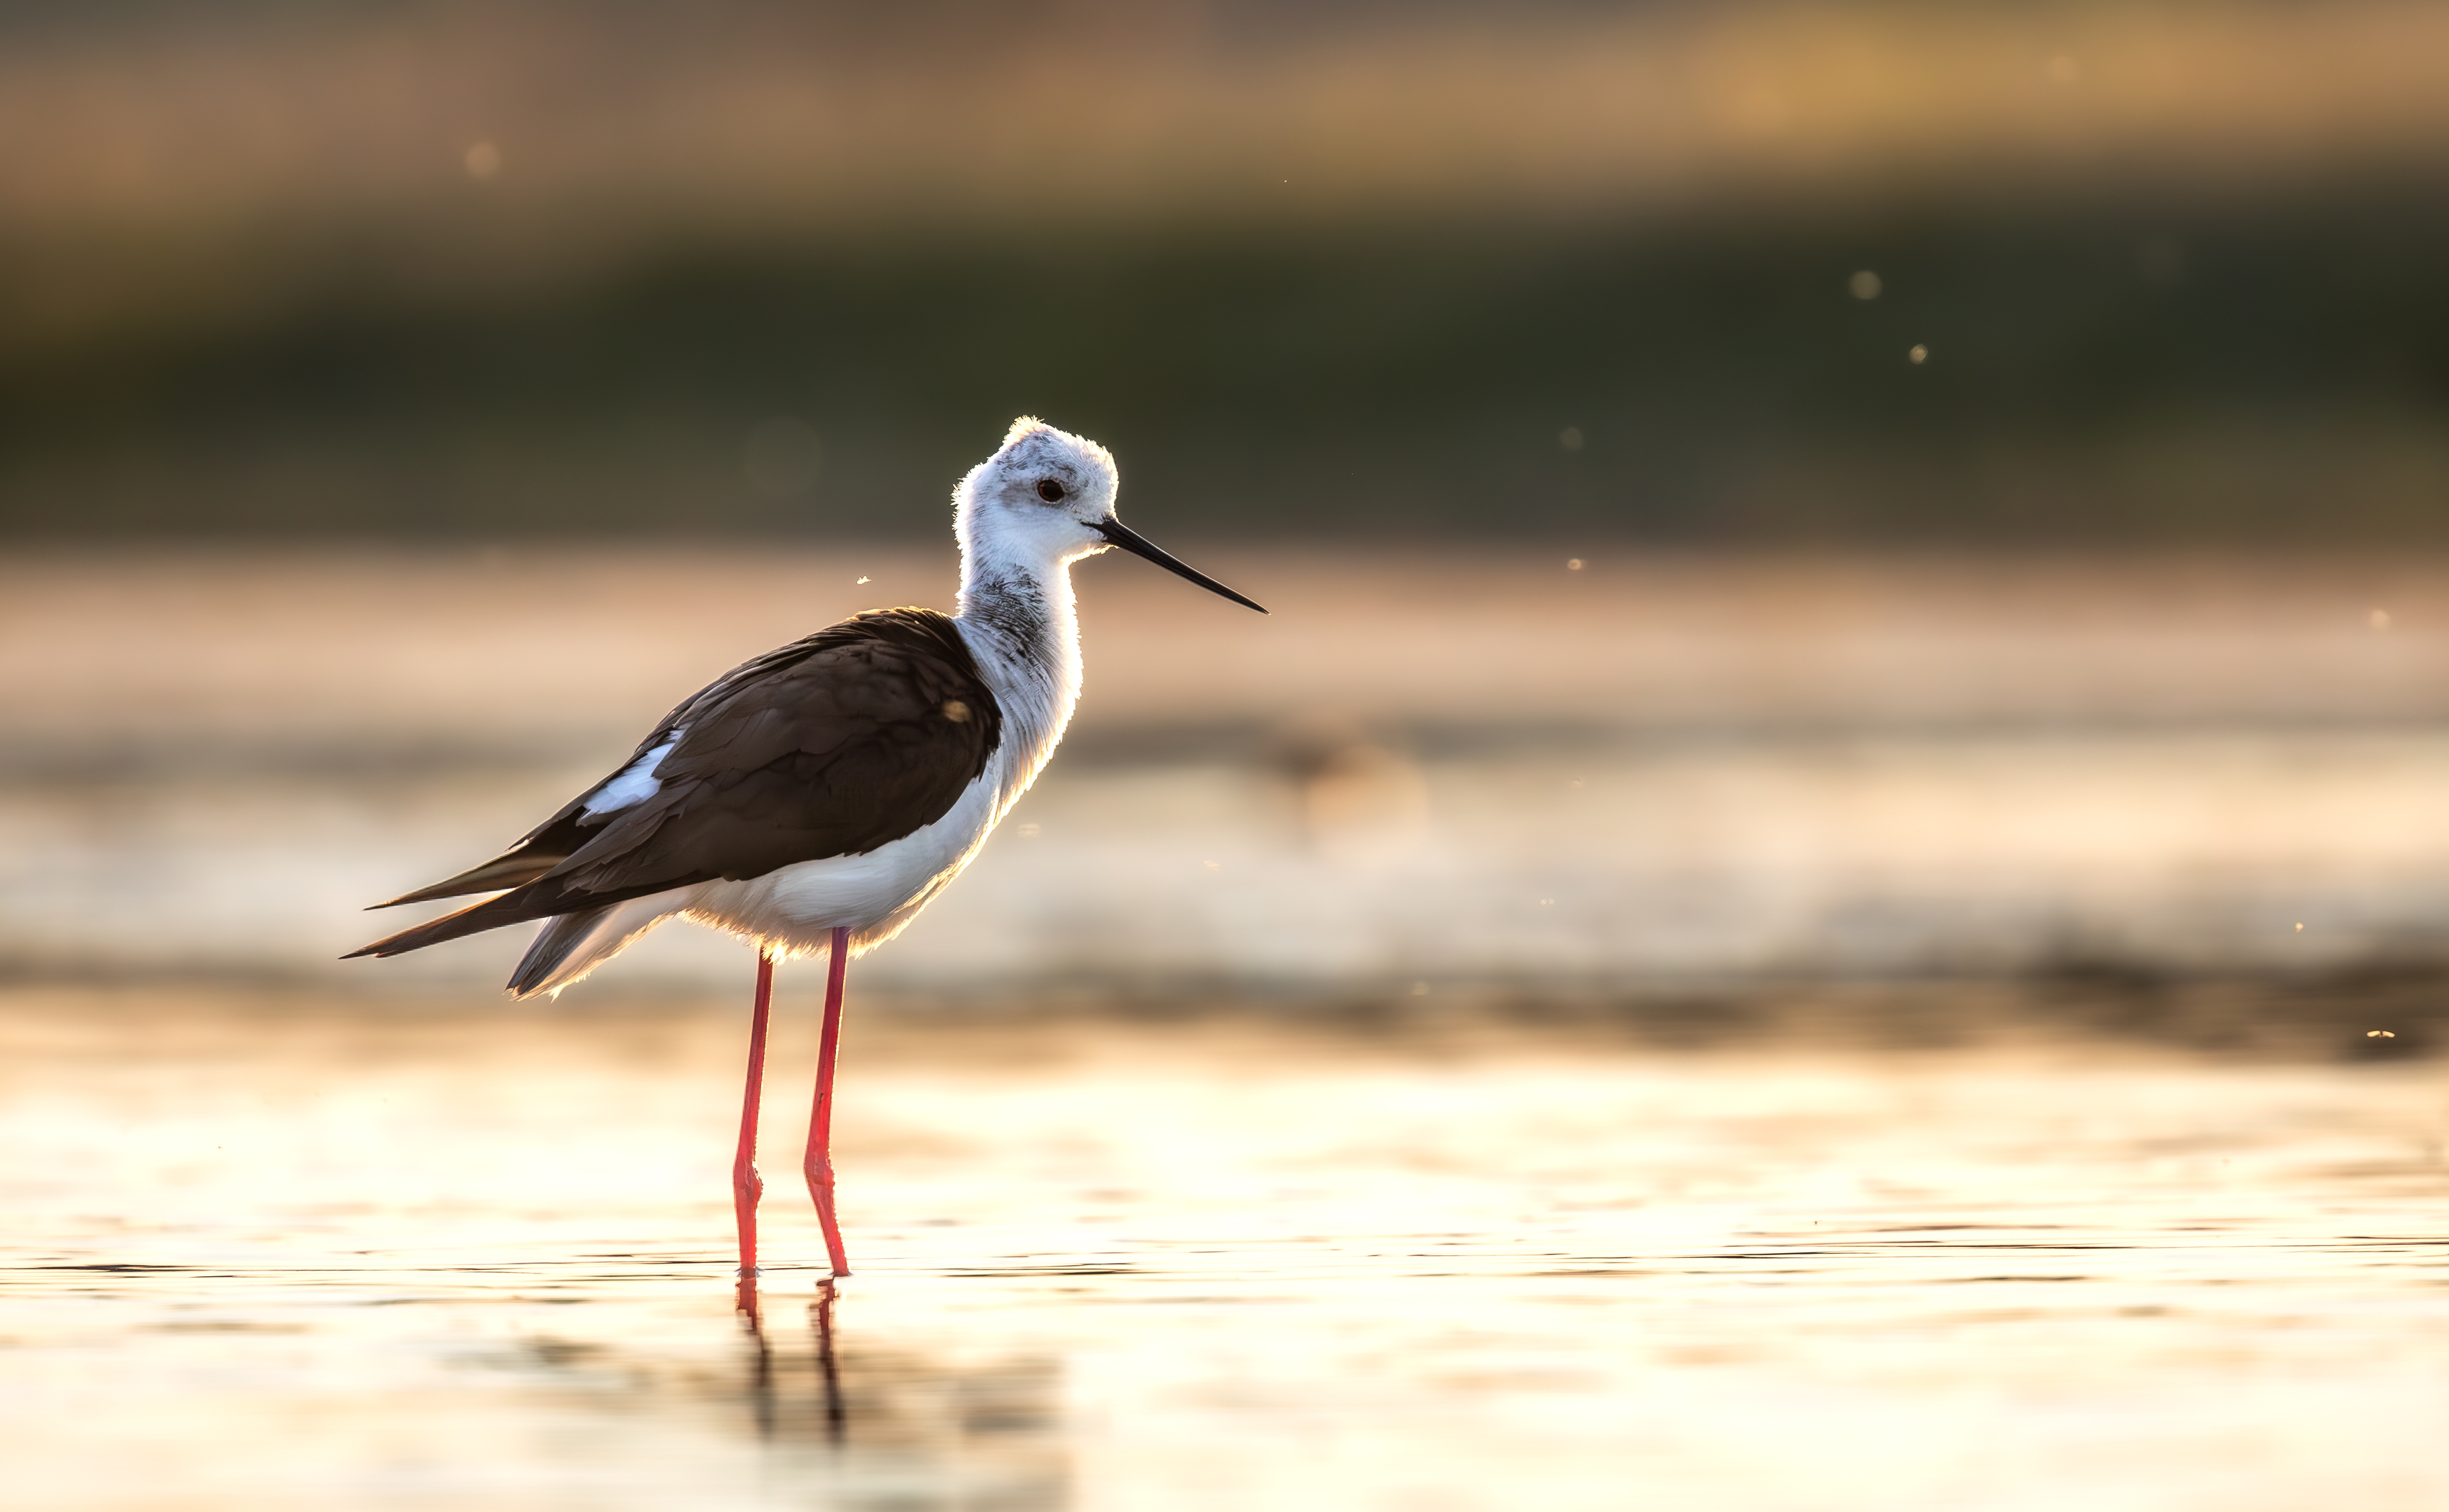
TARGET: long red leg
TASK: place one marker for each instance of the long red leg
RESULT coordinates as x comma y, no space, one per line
746,1185
820,1163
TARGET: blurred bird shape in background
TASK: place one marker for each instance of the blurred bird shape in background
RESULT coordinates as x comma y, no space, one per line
815,798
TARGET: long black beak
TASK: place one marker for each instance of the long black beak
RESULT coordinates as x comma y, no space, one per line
1138,545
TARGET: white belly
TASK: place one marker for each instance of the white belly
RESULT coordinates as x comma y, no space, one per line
793,910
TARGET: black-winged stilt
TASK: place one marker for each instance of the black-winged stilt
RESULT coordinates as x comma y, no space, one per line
814,798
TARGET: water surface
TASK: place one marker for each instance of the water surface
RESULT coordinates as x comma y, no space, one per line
270,1253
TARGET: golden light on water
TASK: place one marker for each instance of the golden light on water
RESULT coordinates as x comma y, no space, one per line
1339,1100
1908,971
1716,769
278,1253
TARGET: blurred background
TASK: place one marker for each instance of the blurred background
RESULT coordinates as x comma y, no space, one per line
1749,492
1826,887
405,271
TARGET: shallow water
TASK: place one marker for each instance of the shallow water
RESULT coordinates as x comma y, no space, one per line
296,1254
1664,768
1606,862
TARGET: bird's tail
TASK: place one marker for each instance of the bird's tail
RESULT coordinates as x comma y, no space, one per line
509,908
573,944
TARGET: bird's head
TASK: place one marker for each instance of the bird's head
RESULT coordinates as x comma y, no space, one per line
1046,497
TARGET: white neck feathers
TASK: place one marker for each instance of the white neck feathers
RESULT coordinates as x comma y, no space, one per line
1017,615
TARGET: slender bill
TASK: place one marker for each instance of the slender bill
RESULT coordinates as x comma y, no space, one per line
1138,545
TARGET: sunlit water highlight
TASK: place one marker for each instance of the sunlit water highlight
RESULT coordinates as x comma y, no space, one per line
1624,861
302,1256
1470,768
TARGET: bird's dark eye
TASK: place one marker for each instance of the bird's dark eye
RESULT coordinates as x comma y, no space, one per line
1050,490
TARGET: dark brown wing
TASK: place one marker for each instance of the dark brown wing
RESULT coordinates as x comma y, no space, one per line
557,839
831,746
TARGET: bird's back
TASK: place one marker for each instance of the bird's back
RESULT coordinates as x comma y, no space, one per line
836,745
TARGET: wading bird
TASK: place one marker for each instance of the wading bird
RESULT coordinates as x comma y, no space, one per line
814,798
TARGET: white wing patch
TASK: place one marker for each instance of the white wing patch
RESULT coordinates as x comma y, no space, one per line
635,784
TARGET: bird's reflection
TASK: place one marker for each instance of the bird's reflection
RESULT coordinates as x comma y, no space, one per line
820,1317
761,1380
761,1386
984,1427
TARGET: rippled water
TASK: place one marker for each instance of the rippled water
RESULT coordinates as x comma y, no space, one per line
298,1254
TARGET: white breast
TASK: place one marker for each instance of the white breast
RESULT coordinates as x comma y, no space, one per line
792,909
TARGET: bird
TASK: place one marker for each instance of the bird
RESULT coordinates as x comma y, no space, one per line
813,800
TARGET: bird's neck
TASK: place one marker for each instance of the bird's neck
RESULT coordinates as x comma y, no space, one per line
1017,616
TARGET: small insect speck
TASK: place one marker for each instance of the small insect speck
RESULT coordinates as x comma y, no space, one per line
1573,564
1919,355
2381,1033
862,580
1547,902
2300,929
